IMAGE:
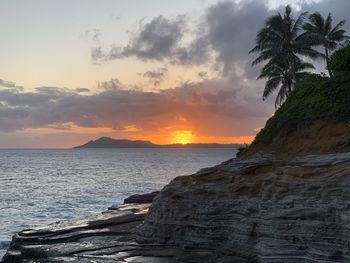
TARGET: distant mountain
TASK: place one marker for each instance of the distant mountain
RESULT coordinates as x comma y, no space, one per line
106,142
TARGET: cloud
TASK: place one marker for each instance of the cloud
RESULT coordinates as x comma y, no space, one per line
97,54
161,39
224,35
232,27
82,90
111,85
219,39
93,34
202,75
156,40
231,30
9,84
211,107
156,77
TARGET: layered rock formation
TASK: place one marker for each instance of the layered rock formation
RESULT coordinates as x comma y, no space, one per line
75,240
260,209
107,237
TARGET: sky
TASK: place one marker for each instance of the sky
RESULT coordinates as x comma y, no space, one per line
164,71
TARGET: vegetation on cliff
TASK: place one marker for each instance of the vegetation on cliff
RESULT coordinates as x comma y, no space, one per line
320,30
285,41
314,110
317,105
340,61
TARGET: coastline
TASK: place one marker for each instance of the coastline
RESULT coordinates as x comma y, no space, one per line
119,220
75,183
258,209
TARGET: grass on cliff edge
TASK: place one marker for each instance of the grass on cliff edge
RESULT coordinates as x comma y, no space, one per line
315,98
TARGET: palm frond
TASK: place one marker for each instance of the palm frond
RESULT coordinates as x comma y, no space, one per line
299,23
288,11
282,45
328,24
281,95
270,86
338,26
317,21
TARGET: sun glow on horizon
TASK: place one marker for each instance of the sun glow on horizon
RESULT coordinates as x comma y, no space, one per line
182,137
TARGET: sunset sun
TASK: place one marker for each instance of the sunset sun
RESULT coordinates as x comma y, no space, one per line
182,137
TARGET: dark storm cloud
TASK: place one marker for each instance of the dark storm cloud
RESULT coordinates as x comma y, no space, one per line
212,107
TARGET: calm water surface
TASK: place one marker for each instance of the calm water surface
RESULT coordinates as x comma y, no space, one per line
41,186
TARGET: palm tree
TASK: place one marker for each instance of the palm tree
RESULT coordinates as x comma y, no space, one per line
283,75
280,38
281,42
320,30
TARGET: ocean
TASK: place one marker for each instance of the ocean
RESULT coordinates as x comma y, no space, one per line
43,186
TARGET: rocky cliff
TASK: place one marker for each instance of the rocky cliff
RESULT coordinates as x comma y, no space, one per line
262,209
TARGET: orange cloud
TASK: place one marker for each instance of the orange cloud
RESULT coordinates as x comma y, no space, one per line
208,111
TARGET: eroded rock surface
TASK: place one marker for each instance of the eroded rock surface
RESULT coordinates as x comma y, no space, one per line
106,237
262,209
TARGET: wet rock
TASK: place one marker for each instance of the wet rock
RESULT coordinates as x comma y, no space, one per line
104,237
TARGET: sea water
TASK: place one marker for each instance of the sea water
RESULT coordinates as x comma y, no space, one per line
43,186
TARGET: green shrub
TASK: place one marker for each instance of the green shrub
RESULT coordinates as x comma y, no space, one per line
339,62
314,98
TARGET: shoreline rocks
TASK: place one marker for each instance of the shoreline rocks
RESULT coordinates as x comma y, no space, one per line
262,209
141,198
106,237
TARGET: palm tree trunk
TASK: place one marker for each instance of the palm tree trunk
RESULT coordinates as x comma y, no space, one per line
327,61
